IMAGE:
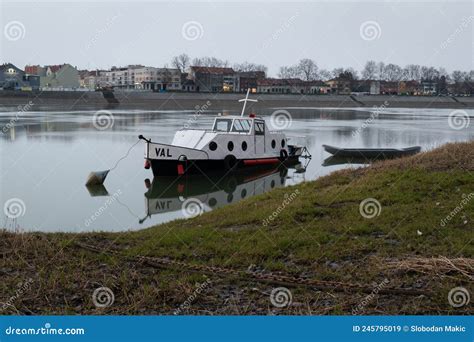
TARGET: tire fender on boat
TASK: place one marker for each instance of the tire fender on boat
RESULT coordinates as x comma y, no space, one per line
283,154
230,162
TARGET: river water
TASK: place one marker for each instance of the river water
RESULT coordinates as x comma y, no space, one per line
47,156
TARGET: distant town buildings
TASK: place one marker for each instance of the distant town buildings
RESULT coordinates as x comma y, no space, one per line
214,80
13,78
139,77
340,85
248,80
55,77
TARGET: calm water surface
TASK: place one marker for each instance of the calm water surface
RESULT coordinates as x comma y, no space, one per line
46,157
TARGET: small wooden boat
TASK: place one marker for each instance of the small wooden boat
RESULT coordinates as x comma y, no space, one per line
371,153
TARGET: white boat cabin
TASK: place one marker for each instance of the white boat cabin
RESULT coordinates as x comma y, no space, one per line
243,137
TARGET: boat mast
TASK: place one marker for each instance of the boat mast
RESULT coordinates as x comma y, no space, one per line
245,101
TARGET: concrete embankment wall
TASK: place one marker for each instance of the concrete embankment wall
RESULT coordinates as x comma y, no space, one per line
77,100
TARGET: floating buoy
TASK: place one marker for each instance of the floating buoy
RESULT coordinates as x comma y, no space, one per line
97,177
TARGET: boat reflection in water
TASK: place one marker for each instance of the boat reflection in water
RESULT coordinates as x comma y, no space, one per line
208,192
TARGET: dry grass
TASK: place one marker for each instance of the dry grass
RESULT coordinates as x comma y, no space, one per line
436,266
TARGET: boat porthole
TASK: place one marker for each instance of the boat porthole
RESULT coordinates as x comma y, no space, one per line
273,143
272,184
244,146
243,193
213,146
282,142
230,145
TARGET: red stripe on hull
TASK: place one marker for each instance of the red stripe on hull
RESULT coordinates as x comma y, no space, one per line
261,161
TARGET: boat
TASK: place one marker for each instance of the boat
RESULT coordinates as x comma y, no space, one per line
233,143
371,153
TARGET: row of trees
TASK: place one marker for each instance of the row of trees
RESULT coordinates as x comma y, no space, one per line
307,69
183,61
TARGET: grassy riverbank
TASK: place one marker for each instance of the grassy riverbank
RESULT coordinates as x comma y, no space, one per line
404,260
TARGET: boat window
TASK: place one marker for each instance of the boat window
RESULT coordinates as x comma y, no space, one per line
241,126
222,125
259,128
246,124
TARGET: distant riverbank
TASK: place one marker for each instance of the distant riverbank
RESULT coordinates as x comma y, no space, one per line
79,100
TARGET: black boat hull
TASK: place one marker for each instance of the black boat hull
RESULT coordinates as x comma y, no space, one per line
371,153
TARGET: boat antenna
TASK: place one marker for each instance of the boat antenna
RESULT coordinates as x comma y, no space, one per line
245,101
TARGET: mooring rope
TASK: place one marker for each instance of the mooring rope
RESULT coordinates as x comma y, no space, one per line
125,156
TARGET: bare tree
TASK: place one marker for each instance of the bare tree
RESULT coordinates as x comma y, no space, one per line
336,72
381,71
429,73
289,72
181,62
210,62
458,76
246,66
324,74
470,75
353,72
412,72
370,71
392,72
308,69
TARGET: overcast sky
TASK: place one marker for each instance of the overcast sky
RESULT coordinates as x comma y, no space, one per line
101,34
